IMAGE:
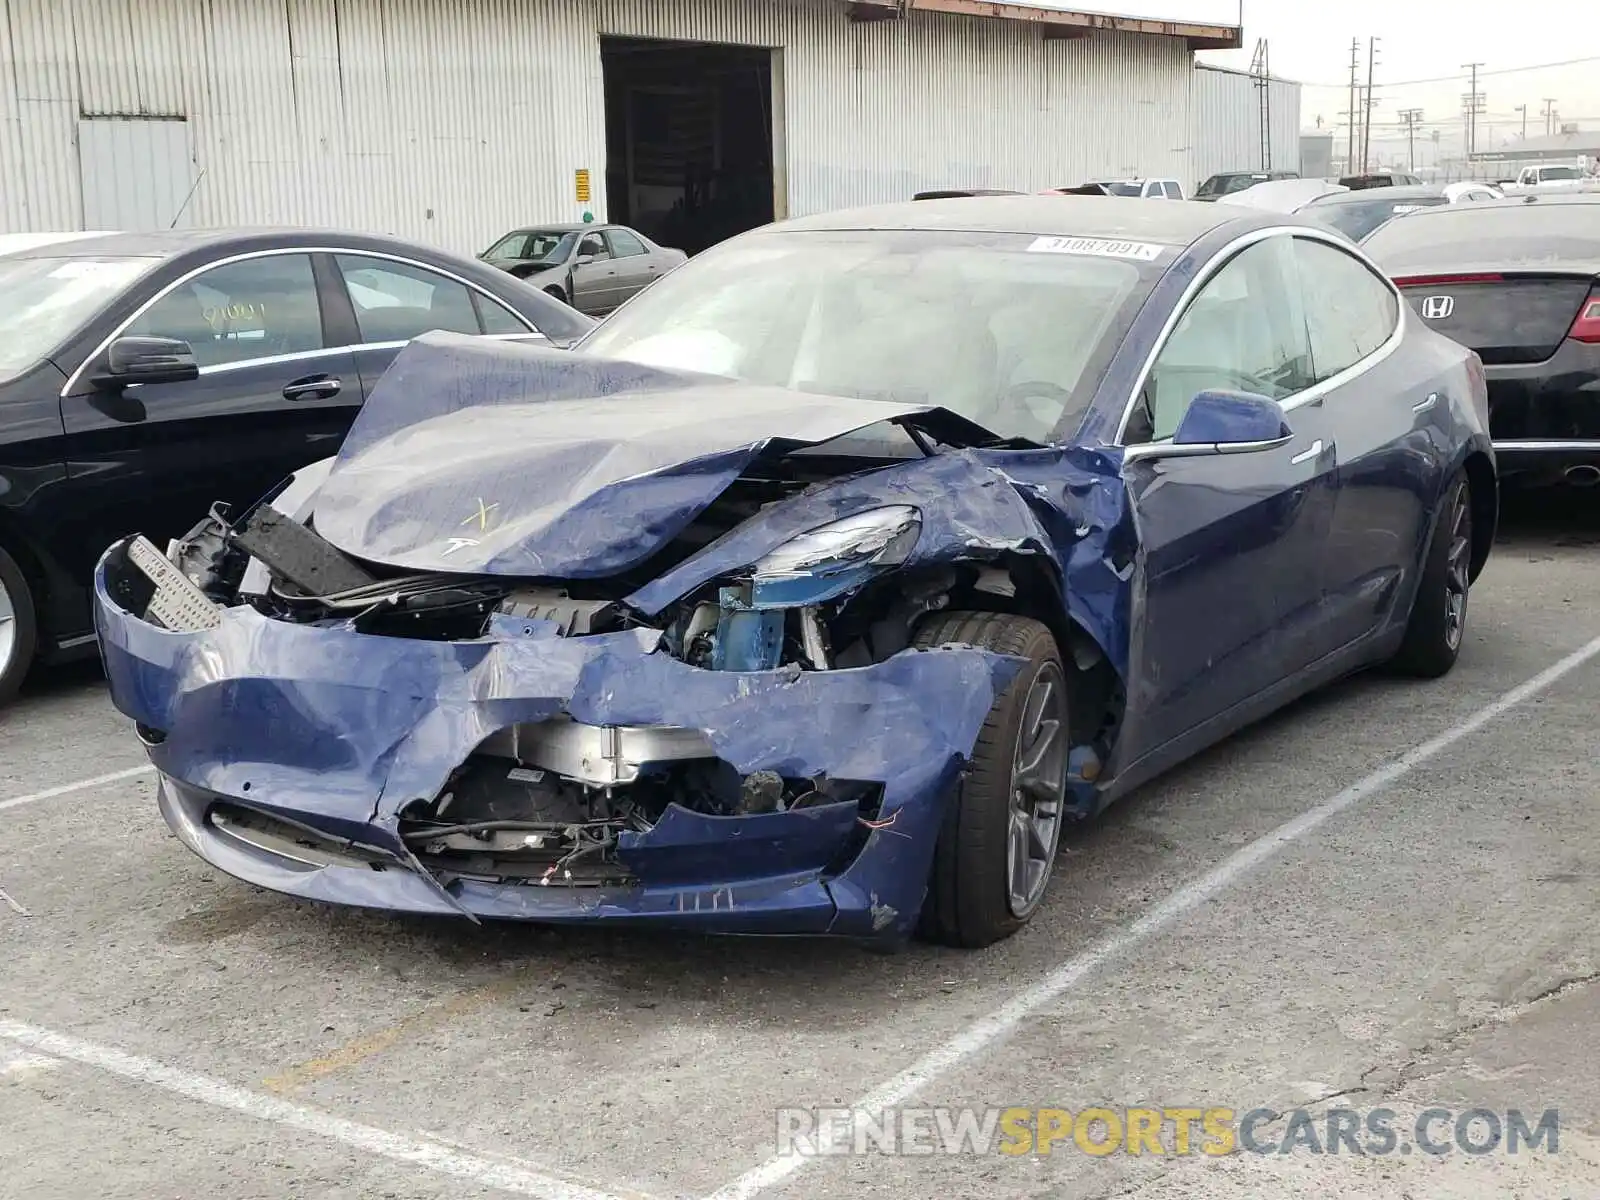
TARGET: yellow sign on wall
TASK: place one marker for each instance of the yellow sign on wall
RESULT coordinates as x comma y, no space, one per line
582,181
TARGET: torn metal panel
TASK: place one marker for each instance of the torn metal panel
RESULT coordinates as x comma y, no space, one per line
1065,505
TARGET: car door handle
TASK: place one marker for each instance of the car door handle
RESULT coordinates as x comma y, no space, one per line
1423,407
317,387
1310,452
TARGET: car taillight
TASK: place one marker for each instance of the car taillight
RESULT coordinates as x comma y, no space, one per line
1406,281
1587,326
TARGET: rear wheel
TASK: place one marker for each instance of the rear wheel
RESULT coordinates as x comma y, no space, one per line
19,631
997,847
1438,623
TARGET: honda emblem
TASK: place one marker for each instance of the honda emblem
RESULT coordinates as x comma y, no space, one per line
1437,308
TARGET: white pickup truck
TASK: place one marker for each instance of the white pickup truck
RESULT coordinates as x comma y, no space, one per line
1542,177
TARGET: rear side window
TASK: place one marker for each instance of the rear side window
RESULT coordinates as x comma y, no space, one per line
1350,312
624,244
1174,192
396,302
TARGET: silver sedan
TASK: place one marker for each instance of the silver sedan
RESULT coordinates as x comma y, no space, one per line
594,268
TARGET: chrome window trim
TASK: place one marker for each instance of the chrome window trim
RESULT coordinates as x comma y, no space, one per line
330,351
1221,259
248,255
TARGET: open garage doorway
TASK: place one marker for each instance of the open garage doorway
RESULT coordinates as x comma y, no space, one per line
690,133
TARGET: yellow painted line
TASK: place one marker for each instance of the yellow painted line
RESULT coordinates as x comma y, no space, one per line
424,1020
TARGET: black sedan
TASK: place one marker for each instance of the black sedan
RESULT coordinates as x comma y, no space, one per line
144,375
1518,281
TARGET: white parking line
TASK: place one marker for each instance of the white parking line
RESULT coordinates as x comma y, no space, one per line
510,1176
1002,1021
67,789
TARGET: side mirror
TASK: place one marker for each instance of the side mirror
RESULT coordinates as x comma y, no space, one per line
1233,422
148,360
583,260
1219,422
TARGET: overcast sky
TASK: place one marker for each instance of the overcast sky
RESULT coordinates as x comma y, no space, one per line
1426,39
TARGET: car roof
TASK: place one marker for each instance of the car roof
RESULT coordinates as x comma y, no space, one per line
561,227
16,243
1045,216
173,242
1367,195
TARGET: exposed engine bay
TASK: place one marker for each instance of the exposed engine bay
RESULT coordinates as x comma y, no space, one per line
810,612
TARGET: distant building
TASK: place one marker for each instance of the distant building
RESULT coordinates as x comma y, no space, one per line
1316,155
1570,145
694,119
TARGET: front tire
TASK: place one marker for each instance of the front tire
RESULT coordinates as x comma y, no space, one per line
997,847
19,629
556,293
1438,623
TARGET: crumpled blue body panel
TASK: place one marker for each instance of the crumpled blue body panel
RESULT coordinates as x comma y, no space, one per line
337,731
1065,505
496,458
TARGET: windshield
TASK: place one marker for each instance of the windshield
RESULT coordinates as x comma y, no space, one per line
45,300
1356,220
1009,336
533,245
1122,189
1560,173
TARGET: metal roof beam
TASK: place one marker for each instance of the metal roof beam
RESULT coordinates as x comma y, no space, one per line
1055,22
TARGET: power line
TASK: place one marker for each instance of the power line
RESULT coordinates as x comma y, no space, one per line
1569,62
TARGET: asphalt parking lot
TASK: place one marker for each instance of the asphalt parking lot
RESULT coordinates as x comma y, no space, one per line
1388,896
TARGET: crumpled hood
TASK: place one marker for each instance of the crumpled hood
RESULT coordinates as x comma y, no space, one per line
489,457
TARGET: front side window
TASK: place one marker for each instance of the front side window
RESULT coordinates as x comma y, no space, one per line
395,302
593,246
1010,336
1174,192
1243,332
255,308
1350,312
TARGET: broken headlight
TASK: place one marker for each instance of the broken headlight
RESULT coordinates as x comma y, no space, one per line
836,558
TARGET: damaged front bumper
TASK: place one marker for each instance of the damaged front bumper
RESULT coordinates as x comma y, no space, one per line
291,755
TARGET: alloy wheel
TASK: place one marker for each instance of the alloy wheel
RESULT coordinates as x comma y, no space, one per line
1458,566
8,627
1038,790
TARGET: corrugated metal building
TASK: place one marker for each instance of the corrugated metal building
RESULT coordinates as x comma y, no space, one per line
1227,121
452,120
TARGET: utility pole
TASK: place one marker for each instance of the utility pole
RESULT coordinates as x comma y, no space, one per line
1366,132
1549,116
1474,105
1411,116
1355,59
1523,109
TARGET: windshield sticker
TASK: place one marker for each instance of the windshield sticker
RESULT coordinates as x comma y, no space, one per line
1405,208
1097,248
